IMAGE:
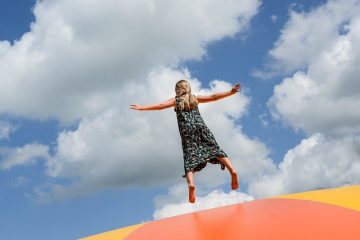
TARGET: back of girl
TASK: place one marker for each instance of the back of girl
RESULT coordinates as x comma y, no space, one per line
198,142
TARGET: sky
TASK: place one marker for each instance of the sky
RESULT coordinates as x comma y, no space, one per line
76,161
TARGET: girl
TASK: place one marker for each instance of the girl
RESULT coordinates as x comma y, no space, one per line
198,143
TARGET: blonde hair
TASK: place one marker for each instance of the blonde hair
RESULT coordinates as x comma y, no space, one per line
183,90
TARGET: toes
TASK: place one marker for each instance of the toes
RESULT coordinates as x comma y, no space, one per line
234,181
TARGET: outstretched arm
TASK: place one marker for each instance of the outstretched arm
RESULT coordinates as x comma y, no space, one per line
218,96
157,106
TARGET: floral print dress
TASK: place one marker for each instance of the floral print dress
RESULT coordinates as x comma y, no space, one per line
198,143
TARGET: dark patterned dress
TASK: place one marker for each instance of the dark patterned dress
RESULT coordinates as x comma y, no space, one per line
198,143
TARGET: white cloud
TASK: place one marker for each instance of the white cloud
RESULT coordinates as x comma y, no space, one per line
6,128
26,155
123,147
307,34
176,203
324,96
322,99
327,96
79,55
317,162
90,61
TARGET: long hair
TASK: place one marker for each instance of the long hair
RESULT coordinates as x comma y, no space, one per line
183,90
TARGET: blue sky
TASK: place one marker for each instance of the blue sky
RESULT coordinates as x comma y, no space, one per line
48,189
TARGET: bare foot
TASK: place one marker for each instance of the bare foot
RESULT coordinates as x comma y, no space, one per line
192,194
234,181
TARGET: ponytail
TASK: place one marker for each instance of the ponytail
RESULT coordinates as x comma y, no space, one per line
188,100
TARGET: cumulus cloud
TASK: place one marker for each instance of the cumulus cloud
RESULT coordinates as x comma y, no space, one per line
79,55
327,96
306,35
317,162
26,155
321,99
176,203
89,61
123,147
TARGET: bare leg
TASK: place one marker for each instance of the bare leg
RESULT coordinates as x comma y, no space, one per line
190,181
228,165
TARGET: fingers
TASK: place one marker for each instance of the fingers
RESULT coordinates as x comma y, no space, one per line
237,87
133,106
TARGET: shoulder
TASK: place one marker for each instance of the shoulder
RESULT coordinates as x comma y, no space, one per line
199,98
172,101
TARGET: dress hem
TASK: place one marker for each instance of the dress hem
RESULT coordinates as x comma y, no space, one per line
212,160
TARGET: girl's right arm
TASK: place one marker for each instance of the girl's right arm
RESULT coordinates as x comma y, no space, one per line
218,96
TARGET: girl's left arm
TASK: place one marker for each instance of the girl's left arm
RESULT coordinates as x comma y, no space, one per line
157,106
218,96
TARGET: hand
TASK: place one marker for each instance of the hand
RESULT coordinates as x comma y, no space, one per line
235,88
135,107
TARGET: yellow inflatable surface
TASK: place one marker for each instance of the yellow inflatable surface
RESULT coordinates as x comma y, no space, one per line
347,197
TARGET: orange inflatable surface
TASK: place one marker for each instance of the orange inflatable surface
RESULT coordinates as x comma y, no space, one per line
330,214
